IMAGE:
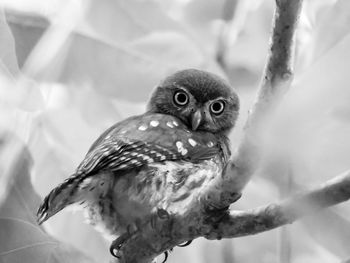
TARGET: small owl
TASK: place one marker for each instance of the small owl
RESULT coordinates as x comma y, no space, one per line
156,161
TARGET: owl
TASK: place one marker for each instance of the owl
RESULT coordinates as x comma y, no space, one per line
156,161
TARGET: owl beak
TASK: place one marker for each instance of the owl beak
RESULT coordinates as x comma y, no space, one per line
196,119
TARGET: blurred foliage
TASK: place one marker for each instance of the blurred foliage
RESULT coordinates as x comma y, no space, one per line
21,238
70,69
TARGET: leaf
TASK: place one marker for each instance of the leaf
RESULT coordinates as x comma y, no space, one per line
125,21
323,25
8,59
27,30
21,239
333,26
16,91
117,65
60,137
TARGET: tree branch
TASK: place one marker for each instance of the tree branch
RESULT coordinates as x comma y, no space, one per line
277,78
207,214
237,223
153,240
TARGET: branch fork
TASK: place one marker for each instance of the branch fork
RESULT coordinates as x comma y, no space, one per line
208,215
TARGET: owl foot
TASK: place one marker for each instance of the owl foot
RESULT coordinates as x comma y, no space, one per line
166,255
120,241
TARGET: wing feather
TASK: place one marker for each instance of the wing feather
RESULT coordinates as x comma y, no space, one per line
125,147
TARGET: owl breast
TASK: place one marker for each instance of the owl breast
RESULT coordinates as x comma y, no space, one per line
135,196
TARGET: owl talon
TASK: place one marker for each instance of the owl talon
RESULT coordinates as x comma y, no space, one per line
117,244
114,252
236,197
166,254
188,242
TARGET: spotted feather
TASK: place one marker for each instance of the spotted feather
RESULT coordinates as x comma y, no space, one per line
125,147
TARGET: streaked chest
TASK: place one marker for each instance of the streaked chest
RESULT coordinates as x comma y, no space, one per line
136,195
168,185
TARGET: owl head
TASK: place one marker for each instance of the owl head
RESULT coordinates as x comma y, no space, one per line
202,100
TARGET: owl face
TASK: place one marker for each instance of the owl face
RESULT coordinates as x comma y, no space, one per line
202,100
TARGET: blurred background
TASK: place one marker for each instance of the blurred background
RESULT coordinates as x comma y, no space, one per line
70,69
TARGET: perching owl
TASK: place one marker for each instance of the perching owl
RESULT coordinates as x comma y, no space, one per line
156,161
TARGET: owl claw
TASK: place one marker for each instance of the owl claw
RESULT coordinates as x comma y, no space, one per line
166,254
117,244
114,252
188,242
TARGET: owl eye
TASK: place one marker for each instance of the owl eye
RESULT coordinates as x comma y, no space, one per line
180,98
217,107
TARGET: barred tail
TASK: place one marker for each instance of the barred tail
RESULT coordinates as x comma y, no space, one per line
60,197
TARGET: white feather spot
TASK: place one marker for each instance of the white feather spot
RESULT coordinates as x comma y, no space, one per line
87,181
179,144
170,124
143,128
154,123
192,142
175,123
162,157
44,215
140,155
210,144
147,158
180,148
